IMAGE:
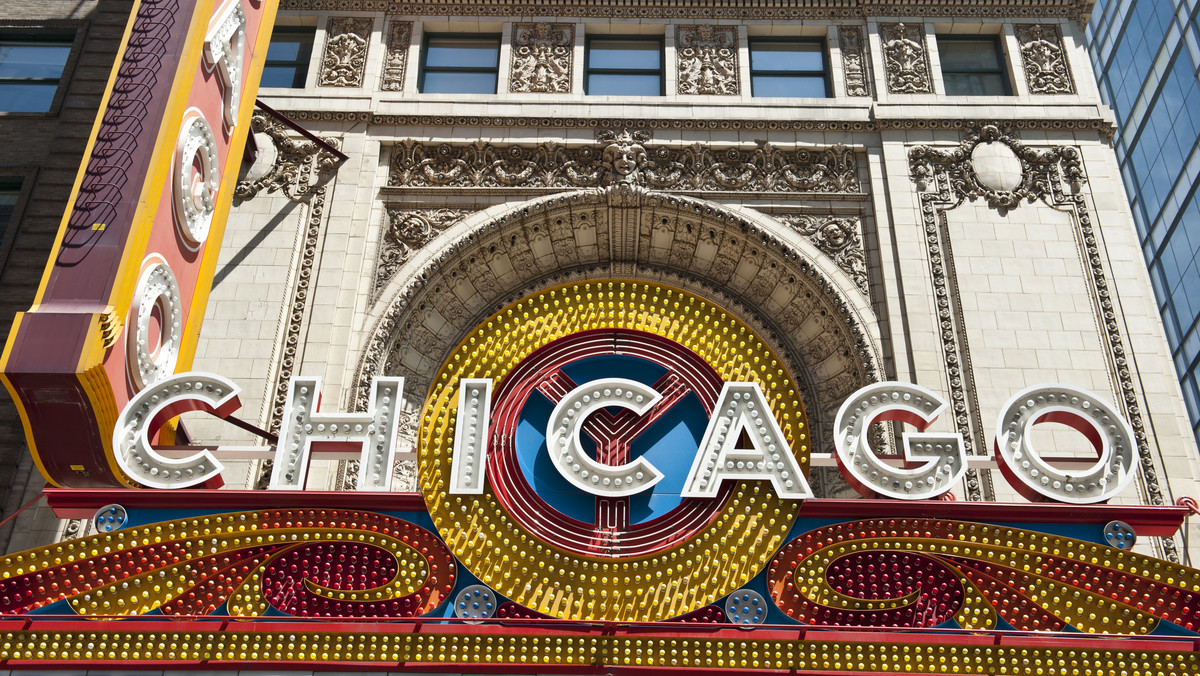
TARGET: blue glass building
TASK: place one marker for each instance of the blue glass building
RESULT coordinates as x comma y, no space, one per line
1145,54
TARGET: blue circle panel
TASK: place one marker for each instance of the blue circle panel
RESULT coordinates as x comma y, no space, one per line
670,443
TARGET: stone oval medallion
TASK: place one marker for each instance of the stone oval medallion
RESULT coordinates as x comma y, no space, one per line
997,166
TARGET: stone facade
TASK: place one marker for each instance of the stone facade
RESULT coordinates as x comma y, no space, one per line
973,245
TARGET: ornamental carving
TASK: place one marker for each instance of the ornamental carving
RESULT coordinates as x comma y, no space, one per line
395,58
707,59
993,164
297,169
854,60
905,60
1044,59
627,158
406,231
737,259
541,58
839,237
345,61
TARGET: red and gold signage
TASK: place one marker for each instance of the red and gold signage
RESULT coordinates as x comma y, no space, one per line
125,288
562,512
612,474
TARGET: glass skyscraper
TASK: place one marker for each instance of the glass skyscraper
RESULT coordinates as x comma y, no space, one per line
1146,54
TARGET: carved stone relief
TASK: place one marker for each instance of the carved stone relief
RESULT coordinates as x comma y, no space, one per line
541,57
1092,123
405,231
996,166
294,166
839,237
947,178
747,266
905,59
344,63
395,58
854,60
1044,59
627,158
707,59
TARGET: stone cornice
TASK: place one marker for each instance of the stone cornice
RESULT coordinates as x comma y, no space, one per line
1076,10
1099,125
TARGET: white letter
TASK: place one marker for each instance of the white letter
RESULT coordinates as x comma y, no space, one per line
150,358
944,455
155,405
742,407
568,455
1109,433
469,465
305,431
195,192
224,48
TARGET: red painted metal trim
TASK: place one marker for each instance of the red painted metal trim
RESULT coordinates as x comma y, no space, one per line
70,503
1145,519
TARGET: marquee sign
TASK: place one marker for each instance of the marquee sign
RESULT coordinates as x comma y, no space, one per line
612,475
602,465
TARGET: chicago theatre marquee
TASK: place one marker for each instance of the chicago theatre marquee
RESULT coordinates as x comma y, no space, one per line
598,336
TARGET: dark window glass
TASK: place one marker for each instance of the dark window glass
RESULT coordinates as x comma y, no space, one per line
288,57
973,66
459,64
624,66
31,65
9,192
788,67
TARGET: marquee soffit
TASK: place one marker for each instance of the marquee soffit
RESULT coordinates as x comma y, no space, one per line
793,295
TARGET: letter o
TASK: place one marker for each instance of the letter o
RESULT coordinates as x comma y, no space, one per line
151,356
1095,418
195,189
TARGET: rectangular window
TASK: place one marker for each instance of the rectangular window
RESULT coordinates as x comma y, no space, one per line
459,64
973,65
10,192
794,67
288,57
31,66
618,65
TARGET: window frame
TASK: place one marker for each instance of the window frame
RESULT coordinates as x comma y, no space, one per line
64,34
1004,68
311,33
18,179
825,74
424,68
588,70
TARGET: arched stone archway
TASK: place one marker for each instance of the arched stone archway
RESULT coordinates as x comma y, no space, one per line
795,297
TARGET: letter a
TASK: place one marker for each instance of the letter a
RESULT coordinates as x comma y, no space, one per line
743,408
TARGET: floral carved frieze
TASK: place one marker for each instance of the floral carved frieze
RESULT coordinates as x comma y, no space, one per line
854,60
839,237
707,59
395,58
344,62
1044,59
994,164
541,58
626,158
905,59
294,166
405,231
